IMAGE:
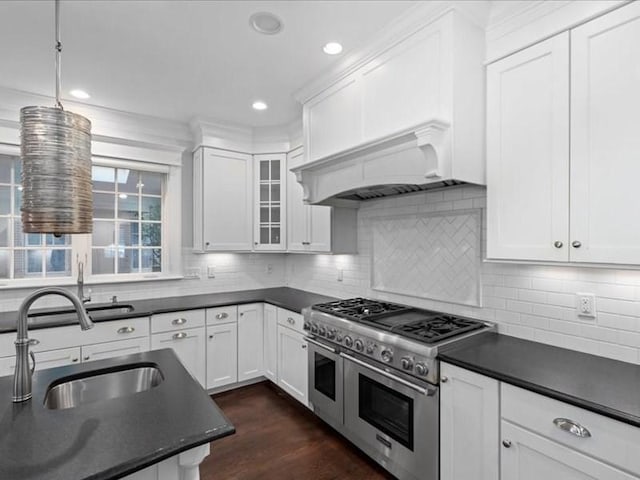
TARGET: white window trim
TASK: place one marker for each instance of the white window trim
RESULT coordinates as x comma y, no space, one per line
81,244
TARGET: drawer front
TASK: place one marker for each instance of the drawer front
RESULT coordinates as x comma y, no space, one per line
115,330
290,319
218,315
167,322
610,440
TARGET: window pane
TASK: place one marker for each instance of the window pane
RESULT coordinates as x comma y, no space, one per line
264,235
17,171
5,200
151,208
264,214
33,239
17,192
4,232
275,214
127,181
103,261
104,205
5,170
275,193
18,236
103,234
128,260
58,262
275,170
264,193
151,260
128,206
4,263
151,234
275,235
264,170
151,183
104,178
128,234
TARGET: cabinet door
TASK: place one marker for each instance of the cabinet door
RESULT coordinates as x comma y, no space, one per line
528,456
528,153
270,205
222,354
101,351
605,114
250,341
223,200
189,346
292,364
271,342
46,359
320,226
469,425
297,211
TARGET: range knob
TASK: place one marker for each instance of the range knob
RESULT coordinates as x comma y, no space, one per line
387,355
331,333
338,337
407,363
314,328
359,345
306,326
322,330
370,348
421,369
348,341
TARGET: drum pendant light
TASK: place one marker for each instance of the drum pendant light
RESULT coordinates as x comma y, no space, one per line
56,165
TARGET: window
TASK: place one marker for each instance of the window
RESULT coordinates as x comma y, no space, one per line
127,226
26,255
127,234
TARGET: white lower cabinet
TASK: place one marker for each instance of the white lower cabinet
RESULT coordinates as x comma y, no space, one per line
293,375
189,345
100,351
469,425
46,359
271,342
250,341
222,354
528,456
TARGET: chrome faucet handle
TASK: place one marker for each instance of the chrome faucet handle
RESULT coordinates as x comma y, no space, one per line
33,360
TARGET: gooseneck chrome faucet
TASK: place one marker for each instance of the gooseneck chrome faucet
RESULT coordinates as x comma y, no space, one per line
22,375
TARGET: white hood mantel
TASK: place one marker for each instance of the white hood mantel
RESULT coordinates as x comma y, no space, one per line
410,160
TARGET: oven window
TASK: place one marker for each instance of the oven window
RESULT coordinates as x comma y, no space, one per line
387,410
325,376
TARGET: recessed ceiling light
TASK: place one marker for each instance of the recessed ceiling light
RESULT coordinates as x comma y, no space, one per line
81,94
332,48
259,105
265,22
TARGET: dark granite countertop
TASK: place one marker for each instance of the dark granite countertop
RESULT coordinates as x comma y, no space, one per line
289,298
110,438
604,386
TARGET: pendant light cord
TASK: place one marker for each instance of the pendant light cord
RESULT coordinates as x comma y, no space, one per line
58,53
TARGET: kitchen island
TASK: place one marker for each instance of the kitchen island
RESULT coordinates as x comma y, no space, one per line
149,434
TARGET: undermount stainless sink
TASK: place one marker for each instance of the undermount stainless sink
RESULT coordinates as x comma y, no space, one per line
96,313
102,386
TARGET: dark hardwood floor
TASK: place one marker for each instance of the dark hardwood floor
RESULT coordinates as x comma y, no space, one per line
277,438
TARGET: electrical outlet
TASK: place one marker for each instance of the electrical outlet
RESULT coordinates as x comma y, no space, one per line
269,269
586,305
211,271
193,272
340,275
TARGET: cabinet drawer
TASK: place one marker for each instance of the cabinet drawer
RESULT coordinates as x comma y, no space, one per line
222,315
166,322
115,330
611,441
290,319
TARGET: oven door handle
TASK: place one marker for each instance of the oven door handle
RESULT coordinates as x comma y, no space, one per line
321,345
424,391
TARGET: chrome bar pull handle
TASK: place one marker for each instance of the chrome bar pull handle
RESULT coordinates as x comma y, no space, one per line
126,330
179,336
179,321
222,316
571,427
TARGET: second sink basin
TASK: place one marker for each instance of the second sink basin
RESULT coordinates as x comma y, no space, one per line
102,386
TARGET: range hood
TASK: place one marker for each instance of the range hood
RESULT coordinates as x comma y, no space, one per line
411,160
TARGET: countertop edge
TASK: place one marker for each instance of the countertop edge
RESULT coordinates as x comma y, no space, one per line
556,395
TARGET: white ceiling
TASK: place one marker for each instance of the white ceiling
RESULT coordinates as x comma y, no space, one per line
183,59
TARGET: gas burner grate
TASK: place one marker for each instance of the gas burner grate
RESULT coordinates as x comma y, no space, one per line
437,328
360,309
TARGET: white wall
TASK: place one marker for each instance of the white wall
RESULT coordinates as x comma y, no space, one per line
529,301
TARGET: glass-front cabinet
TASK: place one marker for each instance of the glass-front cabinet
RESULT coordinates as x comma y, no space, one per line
270,197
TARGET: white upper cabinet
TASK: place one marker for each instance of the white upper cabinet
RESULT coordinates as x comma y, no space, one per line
605,137
270,195
562,161
528,153
222,200
316,228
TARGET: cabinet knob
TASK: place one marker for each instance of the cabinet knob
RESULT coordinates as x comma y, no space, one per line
33,341
291,321
179,321
126,330
222,315
74,360
210,337
444,379
207,244
558,244
304,346
576,244
179,336
86,358
255,243
506,443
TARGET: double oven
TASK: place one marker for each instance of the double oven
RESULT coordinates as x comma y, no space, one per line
392,416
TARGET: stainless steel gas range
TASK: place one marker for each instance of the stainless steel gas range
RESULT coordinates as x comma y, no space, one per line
374,375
